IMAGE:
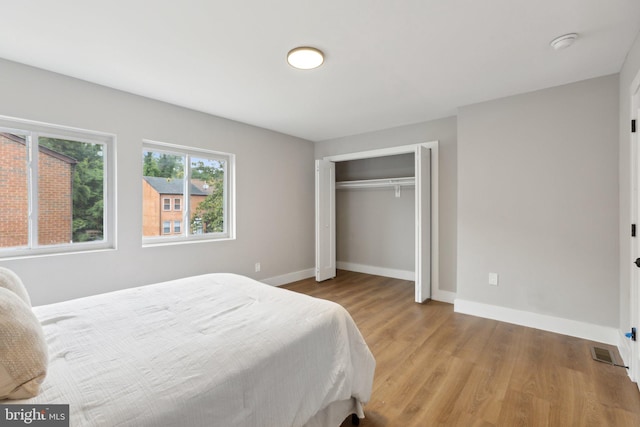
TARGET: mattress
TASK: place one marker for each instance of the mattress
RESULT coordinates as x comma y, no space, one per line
217,349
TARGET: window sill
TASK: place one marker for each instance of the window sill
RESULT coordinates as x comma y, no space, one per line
167,241
7,255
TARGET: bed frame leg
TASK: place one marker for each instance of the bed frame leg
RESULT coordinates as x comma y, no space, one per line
355,420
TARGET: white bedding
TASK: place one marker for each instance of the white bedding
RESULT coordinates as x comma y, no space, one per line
212,350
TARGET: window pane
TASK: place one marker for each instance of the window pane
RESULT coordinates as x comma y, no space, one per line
70,191
163,180
176,226
14,219
207,195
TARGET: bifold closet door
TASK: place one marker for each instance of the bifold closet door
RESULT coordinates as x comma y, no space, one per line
423,223
325,220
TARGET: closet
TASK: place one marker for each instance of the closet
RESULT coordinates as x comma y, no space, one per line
369,196
375,215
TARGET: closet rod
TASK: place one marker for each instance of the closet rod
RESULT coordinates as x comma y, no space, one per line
377,183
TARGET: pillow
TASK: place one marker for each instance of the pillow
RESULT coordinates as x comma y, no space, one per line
23,350
11,281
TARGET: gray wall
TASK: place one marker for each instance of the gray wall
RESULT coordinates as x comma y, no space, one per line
538,201
274,177
629,71
443,130
375,228
396,166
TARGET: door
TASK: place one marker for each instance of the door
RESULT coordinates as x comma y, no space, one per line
423,224
325,220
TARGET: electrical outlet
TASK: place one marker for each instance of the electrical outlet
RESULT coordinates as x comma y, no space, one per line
257,267
493,279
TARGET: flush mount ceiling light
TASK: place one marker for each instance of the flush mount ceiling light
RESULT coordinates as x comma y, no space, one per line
305,58
563,41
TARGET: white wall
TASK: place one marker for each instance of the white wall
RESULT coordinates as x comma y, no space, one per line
630,69
443,130
538,202
274,176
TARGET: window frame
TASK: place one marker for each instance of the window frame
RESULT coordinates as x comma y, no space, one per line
229,192
33,130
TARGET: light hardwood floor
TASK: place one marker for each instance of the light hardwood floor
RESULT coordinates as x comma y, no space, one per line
440,368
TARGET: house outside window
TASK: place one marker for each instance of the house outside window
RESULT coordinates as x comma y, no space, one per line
176,204
166,206
166,227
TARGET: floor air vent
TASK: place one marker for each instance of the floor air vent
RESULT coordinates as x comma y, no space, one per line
602,355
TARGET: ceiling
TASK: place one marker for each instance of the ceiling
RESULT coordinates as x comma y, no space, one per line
388,62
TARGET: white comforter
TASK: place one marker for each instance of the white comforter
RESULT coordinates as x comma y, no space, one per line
212,350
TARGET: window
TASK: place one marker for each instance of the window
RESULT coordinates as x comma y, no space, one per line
200,185
57,183
166,227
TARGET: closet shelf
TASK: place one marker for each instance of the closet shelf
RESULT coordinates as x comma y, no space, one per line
377,183
396,183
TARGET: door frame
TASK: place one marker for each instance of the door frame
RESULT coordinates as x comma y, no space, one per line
421,294
634,291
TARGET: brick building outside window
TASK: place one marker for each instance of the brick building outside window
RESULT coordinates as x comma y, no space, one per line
163,204
55,194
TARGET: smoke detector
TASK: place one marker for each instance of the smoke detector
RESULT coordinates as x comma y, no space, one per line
563,42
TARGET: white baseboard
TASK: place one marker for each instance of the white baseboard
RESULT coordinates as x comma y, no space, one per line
544,322
378,271
443,296
437,294
289,277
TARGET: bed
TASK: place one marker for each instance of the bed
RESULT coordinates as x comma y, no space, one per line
216,349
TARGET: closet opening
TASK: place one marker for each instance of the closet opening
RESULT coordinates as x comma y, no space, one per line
377,213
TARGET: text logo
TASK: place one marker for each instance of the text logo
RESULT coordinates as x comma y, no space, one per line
34,415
